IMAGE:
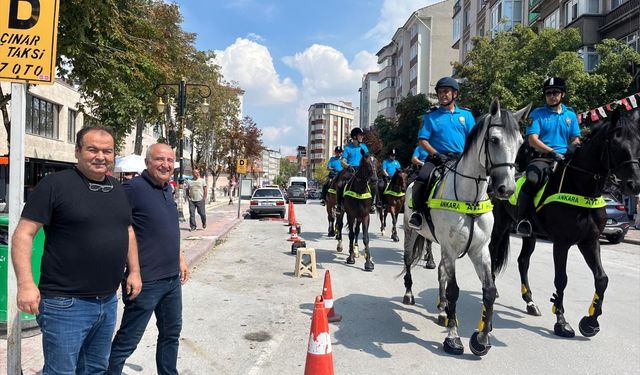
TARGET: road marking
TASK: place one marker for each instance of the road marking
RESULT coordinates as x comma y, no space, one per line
265,354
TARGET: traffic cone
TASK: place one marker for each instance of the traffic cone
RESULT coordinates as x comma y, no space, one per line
327,296
292,215
294,235
319,354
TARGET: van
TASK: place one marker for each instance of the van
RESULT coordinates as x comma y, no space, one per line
298,181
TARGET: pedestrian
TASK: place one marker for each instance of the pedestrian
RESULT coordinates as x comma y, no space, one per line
197,197
553,130
443,136
88,242
162,266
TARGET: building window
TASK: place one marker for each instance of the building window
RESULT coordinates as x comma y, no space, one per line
466,17
481,30
456,28
414,50
414,30
590,57
504,15
42,117
633,41
575,8
553,20
71,126
617,3
413,73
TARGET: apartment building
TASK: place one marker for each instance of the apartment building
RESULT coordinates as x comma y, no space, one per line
270,165
418,55
595,19
329,126
368,100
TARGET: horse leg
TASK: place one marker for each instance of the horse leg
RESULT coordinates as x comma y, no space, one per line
480,342
590,250
339,224
528,246
331,232
382,216
413,244
442,295
452,343
561,328
368,259
356,248
350,224
394,221
428,256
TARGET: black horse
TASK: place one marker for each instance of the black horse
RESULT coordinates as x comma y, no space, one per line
610,150
392,197
357,203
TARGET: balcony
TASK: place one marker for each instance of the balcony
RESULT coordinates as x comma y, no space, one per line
533,17
620,14
534,4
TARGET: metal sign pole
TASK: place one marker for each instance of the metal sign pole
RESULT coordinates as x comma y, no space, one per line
239,193
16,197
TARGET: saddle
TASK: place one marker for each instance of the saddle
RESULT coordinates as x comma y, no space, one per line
560,197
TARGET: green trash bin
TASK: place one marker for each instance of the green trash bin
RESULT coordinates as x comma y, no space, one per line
28,320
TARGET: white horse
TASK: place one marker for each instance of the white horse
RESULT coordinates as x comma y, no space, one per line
488,157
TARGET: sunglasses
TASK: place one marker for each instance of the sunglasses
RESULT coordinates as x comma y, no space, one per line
553,93
100,187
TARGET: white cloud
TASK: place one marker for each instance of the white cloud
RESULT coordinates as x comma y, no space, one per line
393,15
275,133
326,72
256,37
250,64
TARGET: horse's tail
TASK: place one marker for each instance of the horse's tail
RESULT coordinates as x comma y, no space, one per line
499,245
412,249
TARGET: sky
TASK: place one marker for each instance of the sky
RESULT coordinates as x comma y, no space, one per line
289,54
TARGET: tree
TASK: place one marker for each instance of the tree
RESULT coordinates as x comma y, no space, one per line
287,169
514,64
321,173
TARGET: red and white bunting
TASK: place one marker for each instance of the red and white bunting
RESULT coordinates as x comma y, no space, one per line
629,103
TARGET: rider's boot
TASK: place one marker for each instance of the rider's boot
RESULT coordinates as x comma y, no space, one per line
419,198
525,204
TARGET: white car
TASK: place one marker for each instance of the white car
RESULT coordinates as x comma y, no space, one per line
267,201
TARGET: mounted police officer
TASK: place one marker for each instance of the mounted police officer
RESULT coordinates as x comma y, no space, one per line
334,165
443,134
351,157
389,167
553,130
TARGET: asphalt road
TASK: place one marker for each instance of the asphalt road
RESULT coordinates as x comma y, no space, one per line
246,313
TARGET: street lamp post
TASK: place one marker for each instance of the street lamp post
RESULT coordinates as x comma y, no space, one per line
164,90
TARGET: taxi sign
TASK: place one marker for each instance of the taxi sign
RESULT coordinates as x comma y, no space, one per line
28,37
241,166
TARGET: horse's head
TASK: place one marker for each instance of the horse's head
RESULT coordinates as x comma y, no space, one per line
367,166
623,150
400,179
500,136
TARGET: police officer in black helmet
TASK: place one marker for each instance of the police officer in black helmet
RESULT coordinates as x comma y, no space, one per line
334,165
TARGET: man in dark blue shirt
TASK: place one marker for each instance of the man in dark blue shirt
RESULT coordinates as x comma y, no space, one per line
163,268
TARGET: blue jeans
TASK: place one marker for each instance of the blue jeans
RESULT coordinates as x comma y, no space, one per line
76,334
164,298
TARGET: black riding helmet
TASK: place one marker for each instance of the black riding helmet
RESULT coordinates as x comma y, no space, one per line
356,132
337,150
554,83
392,152
448,82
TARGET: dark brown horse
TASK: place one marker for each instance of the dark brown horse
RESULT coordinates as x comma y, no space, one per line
392,198
330,204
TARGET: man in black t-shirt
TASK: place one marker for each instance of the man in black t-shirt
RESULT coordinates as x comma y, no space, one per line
163,268
88,242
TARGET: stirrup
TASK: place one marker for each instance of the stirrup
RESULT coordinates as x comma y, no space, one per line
524,228
416,220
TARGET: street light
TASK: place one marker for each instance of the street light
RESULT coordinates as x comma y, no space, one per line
164,90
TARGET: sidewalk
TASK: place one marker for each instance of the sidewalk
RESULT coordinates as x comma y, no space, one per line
633,236
221,218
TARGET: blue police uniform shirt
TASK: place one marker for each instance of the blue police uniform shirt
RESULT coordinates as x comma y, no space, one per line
554,129
334,164
420,153
352,154
391,166
447,131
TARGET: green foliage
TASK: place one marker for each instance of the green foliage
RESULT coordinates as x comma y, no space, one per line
287,169
321,173
513,66
403,134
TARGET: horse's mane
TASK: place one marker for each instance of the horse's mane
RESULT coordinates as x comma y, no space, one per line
509,122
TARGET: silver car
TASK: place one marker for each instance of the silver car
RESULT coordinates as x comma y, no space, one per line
267,201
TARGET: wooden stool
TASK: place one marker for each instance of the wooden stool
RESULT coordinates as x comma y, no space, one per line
309,268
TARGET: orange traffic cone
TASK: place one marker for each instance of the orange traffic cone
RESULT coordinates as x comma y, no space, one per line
319,355
294,235
292,215
327,296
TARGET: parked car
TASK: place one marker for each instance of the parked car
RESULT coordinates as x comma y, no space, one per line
267,201
618,222
313,194
297,194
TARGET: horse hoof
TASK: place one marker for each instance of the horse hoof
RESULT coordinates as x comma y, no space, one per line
331,234
532,309
476,347
409,300
589,326
442,320
430,265
351,260
339,248
563,330
453,346
395,238
369,266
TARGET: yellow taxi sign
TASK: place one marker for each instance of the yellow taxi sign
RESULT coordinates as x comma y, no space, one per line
241,166
28,38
